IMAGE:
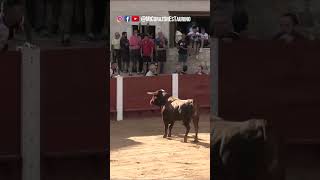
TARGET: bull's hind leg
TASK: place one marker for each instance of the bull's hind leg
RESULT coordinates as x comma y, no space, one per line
196,127
187,125
165,130
170,128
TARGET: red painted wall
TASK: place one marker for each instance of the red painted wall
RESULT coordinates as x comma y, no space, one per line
10,159
275,81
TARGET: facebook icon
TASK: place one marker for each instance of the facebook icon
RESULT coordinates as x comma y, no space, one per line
127,18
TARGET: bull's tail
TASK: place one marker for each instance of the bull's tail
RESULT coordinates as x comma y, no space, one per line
195,118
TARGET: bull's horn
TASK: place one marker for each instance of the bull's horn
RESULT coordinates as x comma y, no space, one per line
151,93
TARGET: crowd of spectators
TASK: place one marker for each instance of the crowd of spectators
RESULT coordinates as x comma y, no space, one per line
235,28
141,54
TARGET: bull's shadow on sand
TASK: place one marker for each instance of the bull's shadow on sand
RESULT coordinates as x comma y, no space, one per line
122,132
200,142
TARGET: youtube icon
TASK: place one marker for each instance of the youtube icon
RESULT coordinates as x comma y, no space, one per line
135,18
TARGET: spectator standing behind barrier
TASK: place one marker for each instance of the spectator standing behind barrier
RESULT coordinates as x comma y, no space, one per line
114,71
195,37
124,52
152,70
288,22
68,7
115,47
223,27
183,50
204,39
178,36
147,48
200,70
161,47
134,47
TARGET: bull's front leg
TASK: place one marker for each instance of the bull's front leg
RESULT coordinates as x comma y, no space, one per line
187,125
170,128
165,129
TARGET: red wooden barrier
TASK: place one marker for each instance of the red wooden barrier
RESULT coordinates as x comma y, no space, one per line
74,113
113,95
135,91
10,159
275,81
195,86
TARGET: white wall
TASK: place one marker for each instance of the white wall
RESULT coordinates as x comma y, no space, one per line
152,8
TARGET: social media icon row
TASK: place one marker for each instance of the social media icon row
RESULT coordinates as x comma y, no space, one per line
128,18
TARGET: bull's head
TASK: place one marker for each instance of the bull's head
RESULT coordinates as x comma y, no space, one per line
159,97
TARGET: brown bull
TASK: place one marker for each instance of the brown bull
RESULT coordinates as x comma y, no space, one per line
174,109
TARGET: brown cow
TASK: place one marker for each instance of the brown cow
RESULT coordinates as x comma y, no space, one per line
174,109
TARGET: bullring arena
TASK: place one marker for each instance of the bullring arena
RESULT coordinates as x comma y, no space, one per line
137,147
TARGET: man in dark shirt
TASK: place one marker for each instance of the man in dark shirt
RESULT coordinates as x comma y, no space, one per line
183,49
124,51
288,22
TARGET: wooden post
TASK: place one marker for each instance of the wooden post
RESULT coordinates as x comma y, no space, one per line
30,120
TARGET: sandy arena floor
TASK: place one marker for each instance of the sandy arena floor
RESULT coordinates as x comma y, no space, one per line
138,151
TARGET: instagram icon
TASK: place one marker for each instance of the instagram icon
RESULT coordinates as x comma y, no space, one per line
119,18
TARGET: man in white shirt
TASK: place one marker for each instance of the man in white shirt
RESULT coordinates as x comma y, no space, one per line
204,39
115,48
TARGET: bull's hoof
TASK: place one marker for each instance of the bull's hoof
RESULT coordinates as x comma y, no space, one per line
196,140
169,135
164,136
185,139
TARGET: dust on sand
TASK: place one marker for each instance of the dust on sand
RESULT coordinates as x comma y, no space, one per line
138,151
